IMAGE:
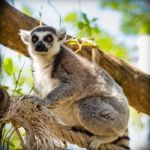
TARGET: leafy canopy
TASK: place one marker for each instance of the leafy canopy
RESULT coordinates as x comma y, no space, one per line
85,27
135,14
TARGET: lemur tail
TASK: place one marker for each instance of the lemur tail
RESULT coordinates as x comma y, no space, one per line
122,143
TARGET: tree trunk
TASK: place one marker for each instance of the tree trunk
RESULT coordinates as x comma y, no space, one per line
135,83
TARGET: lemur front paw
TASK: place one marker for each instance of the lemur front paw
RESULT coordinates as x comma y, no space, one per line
33,99
39,101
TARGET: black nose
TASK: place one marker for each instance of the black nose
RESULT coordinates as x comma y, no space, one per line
40,47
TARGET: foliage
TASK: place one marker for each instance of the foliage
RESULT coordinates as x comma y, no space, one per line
19,79
16,81
135,14
8,66
27,10
89,28
10,138
16,78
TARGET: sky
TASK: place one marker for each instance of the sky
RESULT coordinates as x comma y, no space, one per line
108,20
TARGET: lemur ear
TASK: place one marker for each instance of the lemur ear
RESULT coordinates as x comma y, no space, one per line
24,34
61,34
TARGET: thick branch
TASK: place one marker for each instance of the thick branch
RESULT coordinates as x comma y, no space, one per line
11,21
135,83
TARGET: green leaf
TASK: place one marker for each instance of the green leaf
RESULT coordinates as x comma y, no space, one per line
71,17
94,19
18,91
73,42
26,10
8,66
80,25
10,143
85,18
21,81
96,30
4,87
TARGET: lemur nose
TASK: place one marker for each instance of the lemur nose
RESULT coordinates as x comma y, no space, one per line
40,47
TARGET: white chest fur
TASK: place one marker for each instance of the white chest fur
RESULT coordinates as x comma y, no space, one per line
42,76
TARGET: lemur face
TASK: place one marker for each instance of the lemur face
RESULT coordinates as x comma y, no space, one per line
42,40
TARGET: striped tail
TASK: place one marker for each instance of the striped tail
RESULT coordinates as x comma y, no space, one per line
122,143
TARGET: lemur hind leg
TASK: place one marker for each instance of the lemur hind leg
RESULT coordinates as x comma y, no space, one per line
99,118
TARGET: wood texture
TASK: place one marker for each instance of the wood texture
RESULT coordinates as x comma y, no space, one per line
134,82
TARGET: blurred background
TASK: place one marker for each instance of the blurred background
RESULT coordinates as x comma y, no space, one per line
119,27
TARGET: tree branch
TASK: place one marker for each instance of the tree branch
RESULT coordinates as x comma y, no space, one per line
135,83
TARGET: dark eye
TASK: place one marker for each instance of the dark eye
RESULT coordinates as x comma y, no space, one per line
48,38
34,38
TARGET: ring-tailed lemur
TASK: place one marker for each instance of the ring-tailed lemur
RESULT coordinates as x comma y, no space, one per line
85,95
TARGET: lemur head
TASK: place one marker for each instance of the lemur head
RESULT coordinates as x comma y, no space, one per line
43,40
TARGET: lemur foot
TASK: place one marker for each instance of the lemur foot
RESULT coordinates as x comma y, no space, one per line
94,143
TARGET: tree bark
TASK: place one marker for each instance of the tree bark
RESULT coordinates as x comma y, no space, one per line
135,83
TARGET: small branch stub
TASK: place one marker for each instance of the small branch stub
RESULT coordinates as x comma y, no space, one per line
4,100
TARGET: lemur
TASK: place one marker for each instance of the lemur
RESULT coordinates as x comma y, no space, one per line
85,96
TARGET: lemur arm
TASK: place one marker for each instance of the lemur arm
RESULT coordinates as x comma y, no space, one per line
65,91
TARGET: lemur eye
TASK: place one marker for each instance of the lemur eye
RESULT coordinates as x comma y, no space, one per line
34,38
48,38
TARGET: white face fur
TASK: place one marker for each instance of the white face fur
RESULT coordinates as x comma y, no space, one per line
42,42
